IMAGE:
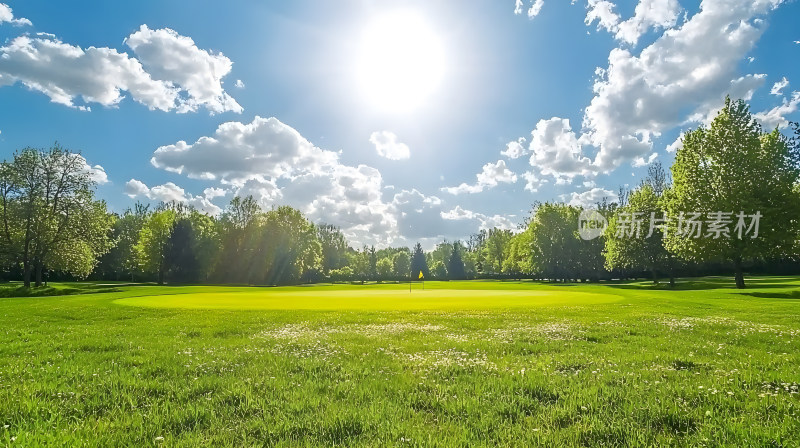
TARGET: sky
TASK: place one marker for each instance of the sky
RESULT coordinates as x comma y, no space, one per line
398,121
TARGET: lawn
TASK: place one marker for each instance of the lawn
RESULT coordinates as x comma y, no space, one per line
459,364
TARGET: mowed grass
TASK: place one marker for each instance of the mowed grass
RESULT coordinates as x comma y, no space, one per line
459,364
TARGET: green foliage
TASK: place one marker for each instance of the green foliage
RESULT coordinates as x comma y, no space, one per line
385,268
401,263
419,263
455,263
495,250
289,246
151,249
50,218
732,166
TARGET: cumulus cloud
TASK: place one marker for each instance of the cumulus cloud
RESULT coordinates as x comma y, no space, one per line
169,192
388,146
677,144
648,14
168,56
486,222
515,149
641,161
65,72
776,117
590,198
96,173
689,68
178,75
490,176
557,151
272,162
7,16
777,88
239,84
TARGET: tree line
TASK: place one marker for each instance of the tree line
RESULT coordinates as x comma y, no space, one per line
731,170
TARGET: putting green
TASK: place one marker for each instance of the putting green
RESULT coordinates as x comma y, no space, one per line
366,298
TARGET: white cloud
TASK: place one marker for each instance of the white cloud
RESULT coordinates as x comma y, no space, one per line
490,176
532,181
179,76
237,152
777,88
170,192
486,222
64,72
677,144
590,198
277,166
689,68
776,117
387,145
535,9
239,84
658,14
515,149
6,16
641,161
168,56
96,173
557,151
603,12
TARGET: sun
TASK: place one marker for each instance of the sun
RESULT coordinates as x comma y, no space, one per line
401,61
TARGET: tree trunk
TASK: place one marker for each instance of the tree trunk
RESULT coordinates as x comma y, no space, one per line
655,276
26,274
737,265
671,280
38,267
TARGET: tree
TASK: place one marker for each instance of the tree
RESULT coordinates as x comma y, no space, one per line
154,239
121,259
733,173
634,238
384,267
289,246
402,264
495,250
239,237
334,247
455,265
418,263
181,253
439,270
50,218
555,245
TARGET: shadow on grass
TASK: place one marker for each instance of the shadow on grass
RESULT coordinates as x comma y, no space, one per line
14,290
792,295
708,283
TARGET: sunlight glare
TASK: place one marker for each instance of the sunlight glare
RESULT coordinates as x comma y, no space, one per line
401,62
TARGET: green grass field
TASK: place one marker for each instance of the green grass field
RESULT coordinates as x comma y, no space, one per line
459,364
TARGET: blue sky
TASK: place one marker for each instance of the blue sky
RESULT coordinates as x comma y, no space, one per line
398,121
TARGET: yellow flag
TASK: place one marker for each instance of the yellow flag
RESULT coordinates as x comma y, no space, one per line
420,275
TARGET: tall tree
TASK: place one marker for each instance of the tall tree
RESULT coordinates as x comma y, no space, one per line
455,265
634,238
402,264
495,250
419,263
334,247
289,246
181,253
736,176
154,241
50,218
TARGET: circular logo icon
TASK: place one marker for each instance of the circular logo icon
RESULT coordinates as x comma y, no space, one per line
591,224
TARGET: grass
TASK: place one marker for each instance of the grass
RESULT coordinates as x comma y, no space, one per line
460,364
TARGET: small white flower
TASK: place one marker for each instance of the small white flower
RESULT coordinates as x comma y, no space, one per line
159,439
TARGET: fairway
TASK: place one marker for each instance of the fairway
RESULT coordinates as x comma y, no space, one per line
474,363
439,295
